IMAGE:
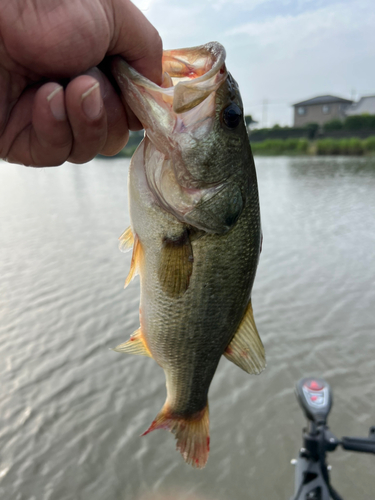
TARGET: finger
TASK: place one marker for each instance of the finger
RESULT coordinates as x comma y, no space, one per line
50,134
37,131
137,41
87,118
117,125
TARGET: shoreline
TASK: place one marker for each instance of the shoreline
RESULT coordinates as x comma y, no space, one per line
295,147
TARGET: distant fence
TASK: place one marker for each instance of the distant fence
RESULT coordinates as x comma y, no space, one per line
279,133
304,133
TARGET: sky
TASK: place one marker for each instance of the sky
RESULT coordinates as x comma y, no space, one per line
279,51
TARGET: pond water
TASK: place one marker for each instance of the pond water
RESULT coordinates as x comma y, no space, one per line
71,410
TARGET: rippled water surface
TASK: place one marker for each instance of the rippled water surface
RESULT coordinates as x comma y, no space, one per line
71,410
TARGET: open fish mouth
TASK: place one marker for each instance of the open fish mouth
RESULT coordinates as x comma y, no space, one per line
181,104
181,119
195,73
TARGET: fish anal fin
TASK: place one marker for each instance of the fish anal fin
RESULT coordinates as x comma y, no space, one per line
246,349
136,261
135,345
126,240
191,433
176,265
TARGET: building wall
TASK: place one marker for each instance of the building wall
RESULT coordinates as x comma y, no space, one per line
319,113
364,105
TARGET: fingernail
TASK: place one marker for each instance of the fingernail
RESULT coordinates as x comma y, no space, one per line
56,103
91,102
95,73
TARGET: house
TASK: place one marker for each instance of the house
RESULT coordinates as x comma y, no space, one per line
366,105
321,110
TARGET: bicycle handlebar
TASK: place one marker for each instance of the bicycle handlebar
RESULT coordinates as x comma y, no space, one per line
362,445
312,478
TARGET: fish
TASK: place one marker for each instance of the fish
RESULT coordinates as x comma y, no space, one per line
195,234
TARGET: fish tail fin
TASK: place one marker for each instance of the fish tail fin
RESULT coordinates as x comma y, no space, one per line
191,433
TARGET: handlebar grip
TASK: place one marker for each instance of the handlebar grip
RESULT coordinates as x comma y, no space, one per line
364,445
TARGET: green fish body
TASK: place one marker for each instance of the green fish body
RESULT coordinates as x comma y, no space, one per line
195,232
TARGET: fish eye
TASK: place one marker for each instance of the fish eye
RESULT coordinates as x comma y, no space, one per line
232,115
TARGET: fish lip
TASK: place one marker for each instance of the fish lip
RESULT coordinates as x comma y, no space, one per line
186,93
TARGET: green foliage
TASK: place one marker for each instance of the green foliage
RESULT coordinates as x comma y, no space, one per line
291,144
303,146
359,122
355,146
335,124
369,144
273,146
312,128
278,132
280,146
352,146
327,146
248,120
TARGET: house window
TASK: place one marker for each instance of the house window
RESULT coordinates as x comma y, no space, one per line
326,109
301,110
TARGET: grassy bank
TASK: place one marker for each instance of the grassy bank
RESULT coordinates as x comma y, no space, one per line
329,146
352,146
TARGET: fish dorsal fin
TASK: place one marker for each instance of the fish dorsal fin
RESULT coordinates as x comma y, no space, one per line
246,349
135,345
176,265
136,261
126,240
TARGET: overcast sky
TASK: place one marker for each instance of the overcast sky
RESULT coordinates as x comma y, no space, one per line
279,51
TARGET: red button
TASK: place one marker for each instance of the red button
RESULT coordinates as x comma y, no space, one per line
313,398
314,386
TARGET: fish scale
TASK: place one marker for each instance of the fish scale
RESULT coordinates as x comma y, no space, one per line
196,246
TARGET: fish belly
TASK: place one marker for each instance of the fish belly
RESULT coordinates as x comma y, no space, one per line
188,333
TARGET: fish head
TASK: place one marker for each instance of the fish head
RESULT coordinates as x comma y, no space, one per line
198,140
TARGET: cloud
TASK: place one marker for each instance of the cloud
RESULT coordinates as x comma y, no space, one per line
244,4
293,33
279,50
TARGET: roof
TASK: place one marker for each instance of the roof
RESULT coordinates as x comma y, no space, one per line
323,99
364,105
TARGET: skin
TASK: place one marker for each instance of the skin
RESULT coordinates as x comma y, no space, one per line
51,106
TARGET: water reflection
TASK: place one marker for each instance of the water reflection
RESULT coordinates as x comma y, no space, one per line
175,495
71,411
331,167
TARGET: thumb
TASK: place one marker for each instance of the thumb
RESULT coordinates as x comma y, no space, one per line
136,40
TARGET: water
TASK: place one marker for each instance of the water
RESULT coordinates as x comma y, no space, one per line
71,410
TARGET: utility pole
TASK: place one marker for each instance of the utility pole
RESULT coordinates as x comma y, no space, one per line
264,113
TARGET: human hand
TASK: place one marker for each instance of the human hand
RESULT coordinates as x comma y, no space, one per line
45,44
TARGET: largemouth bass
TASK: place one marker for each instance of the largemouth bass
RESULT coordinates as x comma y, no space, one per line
195,232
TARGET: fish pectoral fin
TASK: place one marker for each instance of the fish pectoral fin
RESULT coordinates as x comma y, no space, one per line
246,349
191,433
176,264
136,260
135,345
126,240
